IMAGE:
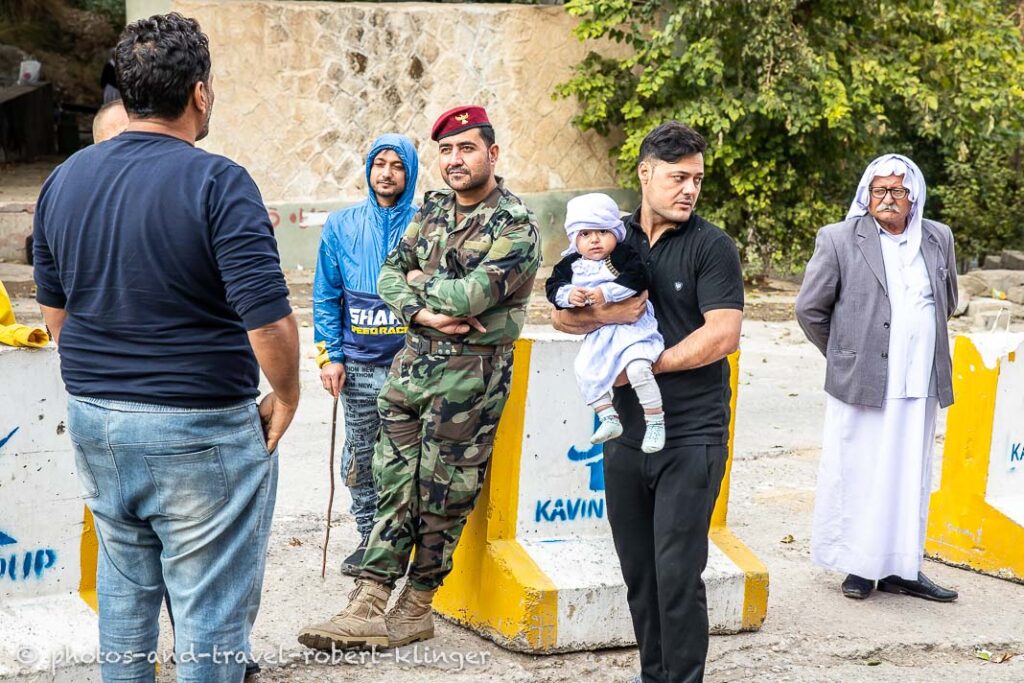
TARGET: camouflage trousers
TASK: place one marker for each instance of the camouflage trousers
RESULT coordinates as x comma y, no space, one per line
438,417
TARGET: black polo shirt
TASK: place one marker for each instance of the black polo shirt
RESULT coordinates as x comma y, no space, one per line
694,268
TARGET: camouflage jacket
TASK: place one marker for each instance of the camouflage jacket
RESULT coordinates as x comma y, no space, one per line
483,267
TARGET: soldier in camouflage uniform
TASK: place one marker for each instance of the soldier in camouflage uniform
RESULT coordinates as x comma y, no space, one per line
460,278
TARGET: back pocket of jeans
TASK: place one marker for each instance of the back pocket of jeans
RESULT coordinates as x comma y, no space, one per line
189,486
87,480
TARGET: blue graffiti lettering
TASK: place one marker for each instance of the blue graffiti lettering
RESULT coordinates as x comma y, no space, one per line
568,509
6,540
1016,453
597,474
596,466
32,562
8,437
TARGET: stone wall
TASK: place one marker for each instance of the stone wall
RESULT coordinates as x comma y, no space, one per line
303,87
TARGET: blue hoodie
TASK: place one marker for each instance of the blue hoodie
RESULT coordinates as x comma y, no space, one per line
350,320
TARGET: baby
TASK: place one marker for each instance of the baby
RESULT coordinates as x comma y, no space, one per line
598,268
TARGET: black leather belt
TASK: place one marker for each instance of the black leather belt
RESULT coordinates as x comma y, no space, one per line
444,347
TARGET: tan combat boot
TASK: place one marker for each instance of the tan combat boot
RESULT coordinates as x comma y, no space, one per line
359,624
411,619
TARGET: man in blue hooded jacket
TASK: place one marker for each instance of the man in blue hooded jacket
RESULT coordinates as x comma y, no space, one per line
356,334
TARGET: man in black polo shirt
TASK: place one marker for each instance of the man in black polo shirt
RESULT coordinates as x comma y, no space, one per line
660,504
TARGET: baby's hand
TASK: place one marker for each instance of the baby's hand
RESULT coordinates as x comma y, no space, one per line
578,297
595,296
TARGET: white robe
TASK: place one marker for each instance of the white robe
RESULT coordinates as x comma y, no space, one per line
874,481
607,351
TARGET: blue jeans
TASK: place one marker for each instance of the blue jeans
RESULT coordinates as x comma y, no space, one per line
183,501
362,422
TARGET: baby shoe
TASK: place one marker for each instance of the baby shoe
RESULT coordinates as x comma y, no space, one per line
610,428
654,437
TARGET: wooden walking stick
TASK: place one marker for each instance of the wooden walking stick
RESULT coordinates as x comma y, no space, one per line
330,501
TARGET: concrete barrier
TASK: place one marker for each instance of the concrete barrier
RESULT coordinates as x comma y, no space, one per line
297,225
977,515
536,569
47,545
15,228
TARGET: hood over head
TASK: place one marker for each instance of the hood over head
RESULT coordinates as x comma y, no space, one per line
407,153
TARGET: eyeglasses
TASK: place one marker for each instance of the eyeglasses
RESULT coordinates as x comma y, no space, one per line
896,192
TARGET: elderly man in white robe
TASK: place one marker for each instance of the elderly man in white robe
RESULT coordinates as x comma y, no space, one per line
875,300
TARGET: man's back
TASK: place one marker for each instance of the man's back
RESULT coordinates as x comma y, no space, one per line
163,256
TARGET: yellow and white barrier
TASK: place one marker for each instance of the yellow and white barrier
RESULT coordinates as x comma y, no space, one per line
47,547
536,569
977,515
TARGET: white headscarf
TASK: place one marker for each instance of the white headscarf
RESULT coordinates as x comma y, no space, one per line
882,167
593,211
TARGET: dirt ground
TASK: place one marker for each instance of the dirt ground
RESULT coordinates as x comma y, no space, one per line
21,182
812,634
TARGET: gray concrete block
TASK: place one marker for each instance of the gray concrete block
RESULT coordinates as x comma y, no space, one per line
962,301
1012,259
15,227
984,281
973,283
986,313
992,262
297,225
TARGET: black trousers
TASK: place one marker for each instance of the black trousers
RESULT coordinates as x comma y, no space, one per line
659,507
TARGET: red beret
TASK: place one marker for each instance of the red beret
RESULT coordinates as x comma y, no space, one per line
457,120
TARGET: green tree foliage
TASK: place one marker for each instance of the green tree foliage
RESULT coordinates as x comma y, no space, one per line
796,97
113,10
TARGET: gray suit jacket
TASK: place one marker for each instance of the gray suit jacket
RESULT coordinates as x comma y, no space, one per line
843,308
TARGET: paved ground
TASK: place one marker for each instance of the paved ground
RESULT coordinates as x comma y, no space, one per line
811,633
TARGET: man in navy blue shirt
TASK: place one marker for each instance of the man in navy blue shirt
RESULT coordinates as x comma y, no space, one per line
159,277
